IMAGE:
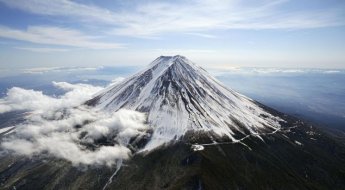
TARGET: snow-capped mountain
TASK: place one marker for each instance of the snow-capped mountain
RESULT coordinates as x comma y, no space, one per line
221,140
178,96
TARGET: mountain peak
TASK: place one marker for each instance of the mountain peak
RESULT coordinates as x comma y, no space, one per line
175,57
170,60
179,96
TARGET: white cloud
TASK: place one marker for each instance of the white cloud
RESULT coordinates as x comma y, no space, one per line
154,18
22,99
201,35
59,137
63,8
332,71
199,16
56,36
42,50
40,70
169,51
51,127
223,70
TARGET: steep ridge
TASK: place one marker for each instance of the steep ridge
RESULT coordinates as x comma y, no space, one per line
178,96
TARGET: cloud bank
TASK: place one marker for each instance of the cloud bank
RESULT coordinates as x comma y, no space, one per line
60,127
36,101
222,70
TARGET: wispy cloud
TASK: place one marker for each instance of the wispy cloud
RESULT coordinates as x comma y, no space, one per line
42,50
154,18
40,70
201,35
65,8
182,51
56,36
223,70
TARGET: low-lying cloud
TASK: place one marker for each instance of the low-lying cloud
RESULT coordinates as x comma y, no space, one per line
23,99
63,128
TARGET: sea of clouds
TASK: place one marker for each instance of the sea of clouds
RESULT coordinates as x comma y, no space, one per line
64,128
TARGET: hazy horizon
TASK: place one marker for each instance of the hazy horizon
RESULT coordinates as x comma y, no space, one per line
313,94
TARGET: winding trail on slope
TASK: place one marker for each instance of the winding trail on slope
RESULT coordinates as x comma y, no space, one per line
247,136
118,167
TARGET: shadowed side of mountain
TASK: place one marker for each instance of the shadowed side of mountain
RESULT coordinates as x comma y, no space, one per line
283,160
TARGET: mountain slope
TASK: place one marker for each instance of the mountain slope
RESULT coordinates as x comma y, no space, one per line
275,162
179,96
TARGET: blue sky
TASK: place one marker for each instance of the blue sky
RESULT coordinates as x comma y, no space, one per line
212,33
